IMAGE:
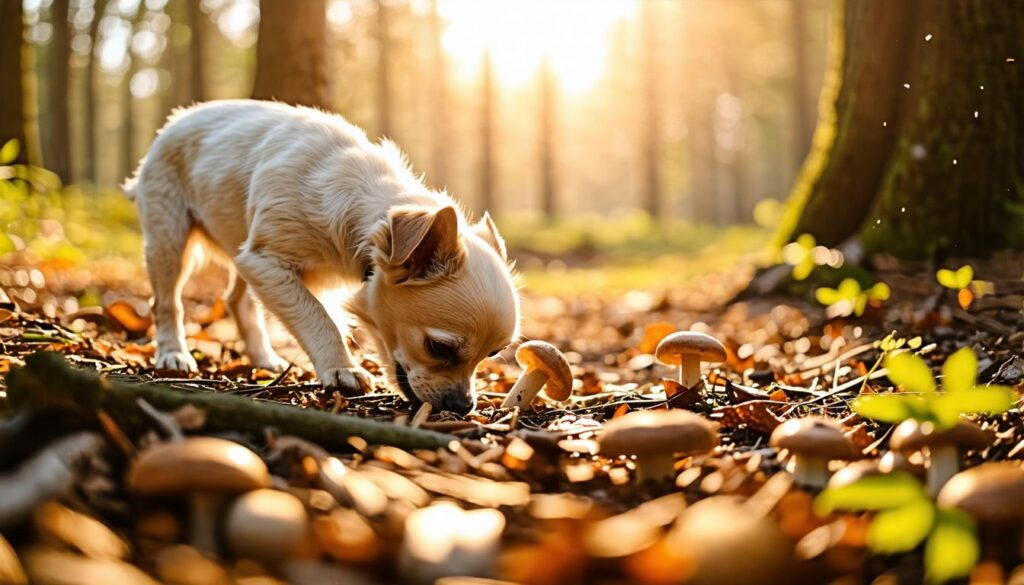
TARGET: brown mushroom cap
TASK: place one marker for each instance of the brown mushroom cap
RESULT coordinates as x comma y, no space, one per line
199,464
656,432
814,436
912,435
990,492
673,347
540,355
891,462
266,525
726,543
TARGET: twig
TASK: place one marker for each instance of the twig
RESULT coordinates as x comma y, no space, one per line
49,474
46,380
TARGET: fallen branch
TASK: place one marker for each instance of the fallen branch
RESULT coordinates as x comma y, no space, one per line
47,380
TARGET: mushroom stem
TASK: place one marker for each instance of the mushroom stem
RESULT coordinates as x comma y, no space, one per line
943,463
810,472
525,389
203,523
654,467
689,370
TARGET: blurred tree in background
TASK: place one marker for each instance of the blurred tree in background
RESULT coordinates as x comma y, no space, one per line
12,114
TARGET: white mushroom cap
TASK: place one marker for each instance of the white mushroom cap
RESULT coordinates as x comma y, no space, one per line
197,465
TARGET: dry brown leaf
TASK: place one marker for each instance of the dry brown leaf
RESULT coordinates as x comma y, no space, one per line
125,315
653,334
756,415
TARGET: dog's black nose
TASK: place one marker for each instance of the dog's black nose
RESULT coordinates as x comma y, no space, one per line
458,402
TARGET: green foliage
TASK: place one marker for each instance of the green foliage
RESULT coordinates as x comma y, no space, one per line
800,255
849,298
901,529
952,549
875,492
920,401
905,517
956,279
61,223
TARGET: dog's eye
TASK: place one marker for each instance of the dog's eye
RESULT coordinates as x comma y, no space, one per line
442,351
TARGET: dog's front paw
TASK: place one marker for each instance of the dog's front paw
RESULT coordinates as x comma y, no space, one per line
271,362
178,361
350,381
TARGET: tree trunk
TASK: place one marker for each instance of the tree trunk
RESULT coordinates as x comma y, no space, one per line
920,145
803,120
91,88
487,135
12,114
440,137
383,71
57,155
651,125
548,164
291,53
128,157
196,26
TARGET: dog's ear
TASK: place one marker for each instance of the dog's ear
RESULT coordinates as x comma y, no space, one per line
488,232
424,242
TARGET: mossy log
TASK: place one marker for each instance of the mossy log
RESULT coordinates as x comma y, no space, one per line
47,380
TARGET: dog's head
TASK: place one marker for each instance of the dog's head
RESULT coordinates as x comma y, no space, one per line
441,299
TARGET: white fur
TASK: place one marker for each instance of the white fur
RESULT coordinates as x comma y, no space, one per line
303,202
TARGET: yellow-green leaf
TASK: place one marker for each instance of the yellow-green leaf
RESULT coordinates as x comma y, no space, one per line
901,529
956,280
960,370
804,268
981,400
880,292
875,492
849,288
964,276
910,371
946,278
952,549
9,151
827,296
890,408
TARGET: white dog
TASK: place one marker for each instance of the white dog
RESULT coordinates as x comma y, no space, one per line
302,202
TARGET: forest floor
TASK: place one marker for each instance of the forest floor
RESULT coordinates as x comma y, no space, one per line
568,514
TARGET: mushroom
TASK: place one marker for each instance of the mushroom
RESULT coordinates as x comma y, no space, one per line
940,448
266,525
889,463
655,436
813,442
718,541
205,469
993,493
687,349
543,366
181,564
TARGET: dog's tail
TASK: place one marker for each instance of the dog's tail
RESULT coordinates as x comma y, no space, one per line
130,187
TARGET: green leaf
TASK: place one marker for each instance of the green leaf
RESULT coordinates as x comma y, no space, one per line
849,288
960,370
915,342
890,408
981,400
910,371
901,529
952,549
876,492
9,151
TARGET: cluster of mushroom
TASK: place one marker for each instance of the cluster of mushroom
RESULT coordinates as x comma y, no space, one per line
223,479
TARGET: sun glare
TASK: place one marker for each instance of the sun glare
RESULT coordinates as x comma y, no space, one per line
573,34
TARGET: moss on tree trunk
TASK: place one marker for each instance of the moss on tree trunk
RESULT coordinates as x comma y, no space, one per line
900,157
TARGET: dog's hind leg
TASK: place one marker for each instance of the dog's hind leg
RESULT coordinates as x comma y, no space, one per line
252,325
